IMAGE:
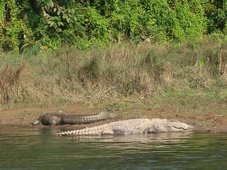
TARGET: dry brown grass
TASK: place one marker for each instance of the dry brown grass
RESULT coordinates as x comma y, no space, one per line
121,72
9,82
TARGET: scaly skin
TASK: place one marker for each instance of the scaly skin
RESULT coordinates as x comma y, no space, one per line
58,118
131,127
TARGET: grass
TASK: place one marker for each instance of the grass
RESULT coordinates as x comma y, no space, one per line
121,76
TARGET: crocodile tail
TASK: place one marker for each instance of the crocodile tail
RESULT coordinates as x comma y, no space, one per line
84,119
95,131
96,117
81,132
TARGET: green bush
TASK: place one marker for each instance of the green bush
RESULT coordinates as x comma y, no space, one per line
49,24
215,11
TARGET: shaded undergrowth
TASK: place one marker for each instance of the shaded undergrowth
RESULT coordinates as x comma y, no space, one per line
117,75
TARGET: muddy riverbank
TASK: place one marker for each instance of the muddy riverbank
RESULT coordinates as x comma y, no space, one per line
202,122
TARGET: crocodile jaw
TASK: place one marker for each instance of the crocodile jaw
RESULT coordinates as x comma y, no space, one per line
169,126
37,122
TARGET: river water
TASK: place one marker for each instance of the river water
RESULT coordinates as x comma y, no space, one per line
33,148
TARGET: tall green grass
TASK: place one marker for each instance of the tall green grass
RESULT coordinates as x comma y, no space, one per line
125,71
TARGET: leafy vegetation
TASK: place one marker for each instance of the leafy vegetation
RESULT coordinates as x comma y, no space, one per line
39,25
111,51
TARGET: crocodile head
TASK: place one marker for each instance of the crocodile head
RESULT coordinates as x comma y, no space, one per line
164,125
177,126
38,121
48,119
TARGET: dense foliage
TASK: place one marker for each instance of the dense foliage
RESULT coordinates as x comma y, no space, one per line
44,24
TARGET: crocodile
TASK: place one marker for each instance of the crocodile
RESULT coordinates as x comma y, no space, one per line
59,118
132,127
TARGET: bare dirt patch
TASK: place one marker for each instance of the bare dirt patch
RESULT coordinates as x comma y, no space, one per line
203,122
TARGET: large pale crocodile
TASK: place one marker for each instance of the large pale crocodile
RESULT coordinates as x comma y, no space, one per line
131,127
58,118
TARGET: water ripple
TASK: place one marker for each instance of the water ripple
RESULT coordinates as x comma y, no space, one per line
30,148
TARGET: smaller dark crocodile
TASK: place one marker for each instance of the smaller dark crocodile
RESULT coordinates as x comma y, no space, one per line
59,118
